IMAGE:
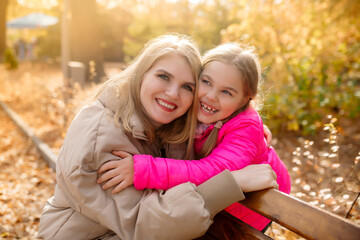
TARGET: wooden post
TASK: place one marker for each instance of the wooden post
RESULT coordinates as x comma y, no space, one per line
77,73
65,41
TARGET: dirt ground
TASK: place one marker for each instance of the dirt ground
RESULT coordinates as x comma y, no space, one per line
324,168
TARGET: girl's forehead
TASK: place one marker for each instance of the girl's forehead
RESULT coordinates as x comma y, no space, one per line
223,74
220,68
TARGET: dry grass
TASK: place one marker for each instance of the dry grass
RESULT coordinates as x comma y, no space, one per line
324,170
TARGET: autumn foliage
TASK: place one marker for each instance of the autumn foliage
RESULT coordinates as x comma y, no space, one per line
310,55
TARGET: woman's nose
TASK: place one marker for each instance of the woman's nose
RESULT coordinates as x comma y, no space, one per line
172,92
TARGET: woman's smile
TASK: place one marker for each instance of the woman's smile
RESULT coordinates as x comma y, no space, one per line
167,106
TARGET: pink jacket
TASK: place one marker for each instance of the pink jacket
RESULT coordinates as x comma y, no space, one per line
240,143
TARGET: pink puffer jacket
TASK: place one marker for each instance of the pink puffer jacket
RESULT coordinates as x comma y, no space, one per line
240,143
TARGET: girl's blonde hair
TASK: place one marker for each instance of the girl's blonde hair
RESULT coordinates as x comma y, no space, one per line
129,81
247,62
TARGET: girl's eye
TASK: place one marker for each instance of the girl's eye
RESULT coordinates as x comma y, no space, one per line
188,87
227,92
163,76
205,81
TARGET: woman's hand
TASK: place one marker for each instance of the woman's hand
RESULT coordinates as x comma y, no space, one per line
267,134
117,172
256,177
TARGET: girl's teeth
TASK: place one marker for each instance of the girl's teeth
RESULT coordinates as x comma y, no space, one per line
208,109
166,105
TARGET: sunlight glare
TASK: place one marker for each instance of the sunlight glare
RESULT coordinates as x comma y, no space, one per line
36,3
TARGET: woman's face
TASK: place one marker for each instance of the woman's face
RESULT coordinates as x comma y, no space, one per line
220,92
167,90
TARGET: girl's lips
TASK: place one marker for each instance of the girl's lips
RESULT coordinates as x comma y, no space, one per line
207,109
166,105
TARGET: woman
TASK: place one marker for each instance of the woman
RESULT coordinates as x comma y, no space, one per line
147,109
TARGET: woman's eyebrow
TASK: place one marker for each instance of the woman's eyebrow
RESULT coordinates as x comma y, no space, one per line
172,76
164,71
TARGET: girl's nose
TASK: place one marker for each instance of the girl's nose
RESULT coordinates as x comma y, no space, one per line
212,95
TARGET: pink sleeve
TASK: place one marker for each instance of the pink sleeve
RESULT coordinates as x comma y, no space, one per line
236,150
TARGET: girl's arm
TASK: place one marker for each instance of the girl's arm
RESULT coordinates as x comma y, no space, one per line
236,150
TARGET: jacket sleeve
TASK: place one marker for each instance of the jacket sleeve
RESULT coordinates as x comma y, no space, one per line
194,208
133,214
236,150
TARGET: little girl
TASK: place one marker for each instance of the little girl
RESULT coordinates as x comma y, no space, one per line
229,135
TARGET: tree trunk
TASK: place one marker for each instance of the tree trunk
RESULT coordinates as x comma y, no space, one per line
85,38
3,6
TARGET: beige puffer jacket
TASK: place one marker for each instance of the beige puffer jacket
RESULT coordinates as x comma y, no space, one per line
80,209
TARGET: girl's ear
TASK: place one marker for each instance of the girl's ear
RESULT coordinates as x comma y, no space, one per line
251,104
245,100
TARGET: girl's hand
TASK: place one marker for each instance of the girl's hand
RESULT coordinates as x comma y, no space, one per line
117,172
256,177
267,134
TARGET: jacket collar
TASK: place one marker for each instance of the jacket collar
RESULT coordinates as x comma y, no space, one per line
108,97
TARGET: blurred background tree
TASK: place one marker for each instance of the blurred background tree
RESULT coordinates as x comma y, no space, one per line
309,49
85,37
3,7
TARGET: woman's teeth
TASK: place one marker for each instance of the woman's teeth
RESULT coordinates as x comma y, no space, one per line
208,109
166,104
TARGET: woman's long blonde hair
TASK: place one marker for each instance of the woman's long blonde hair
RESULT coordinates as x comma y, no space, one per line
247,63
128,84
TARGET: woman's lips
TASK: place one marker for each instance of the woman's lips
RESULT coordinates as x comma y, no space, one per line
165,105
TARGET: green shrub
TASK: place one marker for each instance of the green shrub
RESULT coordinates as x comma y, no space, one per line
10,60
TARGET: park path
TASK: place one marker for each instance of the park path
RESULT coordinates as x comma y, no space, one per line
25,183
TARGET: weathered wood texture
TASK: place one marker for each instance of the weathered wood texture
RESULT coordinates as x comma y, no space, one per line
226,226
305,220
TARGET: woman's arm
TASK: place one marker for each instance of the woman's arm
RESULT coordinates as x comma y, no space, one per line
128,214
187,201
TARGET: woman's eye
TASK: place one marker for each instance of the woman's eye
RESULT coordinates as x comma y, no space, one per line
163,76
188,87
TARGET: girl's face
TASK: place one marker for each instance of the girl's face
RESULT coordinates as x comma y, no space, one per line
220,92
167,90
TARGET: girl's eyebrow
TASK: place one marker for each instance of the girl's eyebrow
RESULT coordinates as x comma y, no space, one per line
227,88
231,89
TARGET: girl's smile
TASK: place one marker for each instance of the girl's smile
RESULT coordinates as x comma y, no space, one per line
220,92
207,109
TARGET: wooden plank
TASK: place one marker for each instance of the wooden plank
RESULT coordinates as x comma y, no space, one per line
298,216
226,226
48,155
